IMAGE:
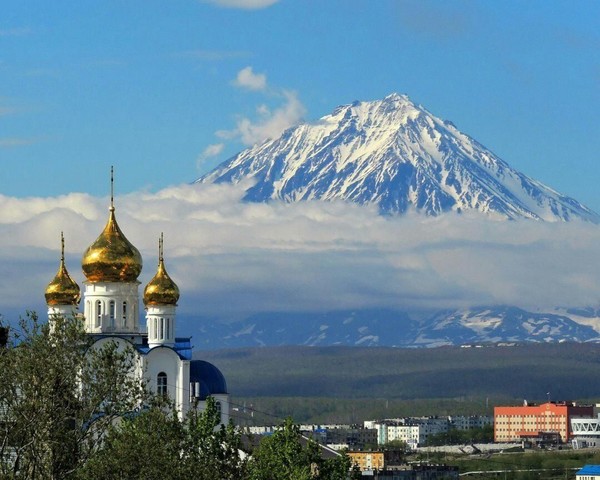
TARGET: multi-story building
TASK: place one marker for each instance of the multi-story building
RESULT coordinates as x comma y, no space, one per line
414,431
531,420
461,422
375,460
586,431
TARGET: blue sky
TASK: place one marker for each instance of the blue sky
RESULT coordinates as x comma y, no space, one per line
145,85
166,89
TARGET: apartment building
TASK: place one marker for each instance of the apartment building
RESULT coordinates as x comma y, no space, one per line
531,421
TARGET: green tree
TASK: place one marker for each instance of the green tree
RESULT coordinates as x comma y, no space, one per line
212,450
156,444
145,446
59,397
284,455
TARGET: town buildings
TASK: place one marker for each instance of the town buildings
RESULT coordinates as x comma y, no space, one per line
586,431
532,421
375,460
415,431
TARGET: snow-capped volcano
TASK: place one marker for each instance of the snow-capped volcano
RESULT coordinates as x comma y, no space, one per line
397,155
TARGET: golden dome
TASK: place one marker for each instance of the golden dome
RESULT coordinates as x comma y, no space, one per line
62,290
161,290
111,258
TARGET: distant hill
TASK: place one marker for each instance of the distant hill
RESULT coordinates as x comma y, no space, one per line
566,370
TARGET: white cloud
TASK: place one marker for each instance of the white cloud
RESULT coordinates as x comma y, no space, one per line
246,78
211,151
269,124
14,32
12,142
233,259
244,4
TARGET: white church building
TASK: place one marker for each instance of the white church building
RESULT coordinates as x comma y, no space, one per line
111,303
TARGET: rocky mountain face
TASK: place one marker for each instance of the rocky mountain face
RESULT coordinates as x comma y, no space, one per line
397,155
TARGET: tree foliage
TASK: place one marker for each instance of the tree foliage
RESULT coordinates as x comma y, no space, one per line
58,397
285,455
72,410
156,444
460,437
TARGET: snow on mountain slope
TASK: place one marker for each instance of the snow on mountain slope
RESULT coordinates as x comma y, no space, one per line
397,155
482,325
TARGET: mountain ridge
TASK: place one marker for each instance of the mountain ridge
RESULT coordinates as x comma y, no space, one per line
392,328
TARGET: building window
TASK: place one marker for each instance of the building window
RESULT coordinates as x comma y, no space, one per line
219,410
168,321
154,328
162,328
98,313
124,314
112,313
161,384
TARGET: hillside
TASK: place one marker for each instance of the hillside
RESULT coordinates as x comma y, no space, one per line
356,377
567,370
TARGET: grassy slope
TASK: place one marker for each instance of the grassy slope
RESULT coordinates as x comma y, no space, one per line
345,383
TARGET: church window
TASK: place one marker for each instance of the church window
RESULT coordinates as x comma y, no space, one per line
161,384
168,328
219,409
124,313
98,313
162,328
154,328
112,313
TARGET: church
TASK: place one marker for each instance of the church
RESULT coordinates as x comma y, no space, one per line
111,303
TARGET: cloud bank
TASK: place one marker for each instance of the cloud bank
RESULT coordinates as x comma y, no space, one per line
232,259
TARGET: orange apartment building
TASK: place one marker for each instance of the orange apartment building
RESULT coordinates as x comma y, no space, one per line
531,420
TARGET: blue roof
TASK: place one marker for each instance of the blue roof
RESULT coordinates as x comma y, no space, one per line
589,470
209,377
183,348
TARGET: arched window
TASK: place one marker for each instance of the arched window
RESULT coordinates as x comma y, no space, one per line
162,328
124,314
161,384
112,313
155,328
98,313
168,321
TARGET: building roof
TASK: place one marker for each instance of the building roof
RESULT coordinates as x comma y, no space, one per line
182,346
589,470
209,377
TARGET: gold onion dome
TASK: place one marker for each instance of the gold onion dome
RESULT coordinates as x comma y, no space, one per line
111,258
161,290
62,290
